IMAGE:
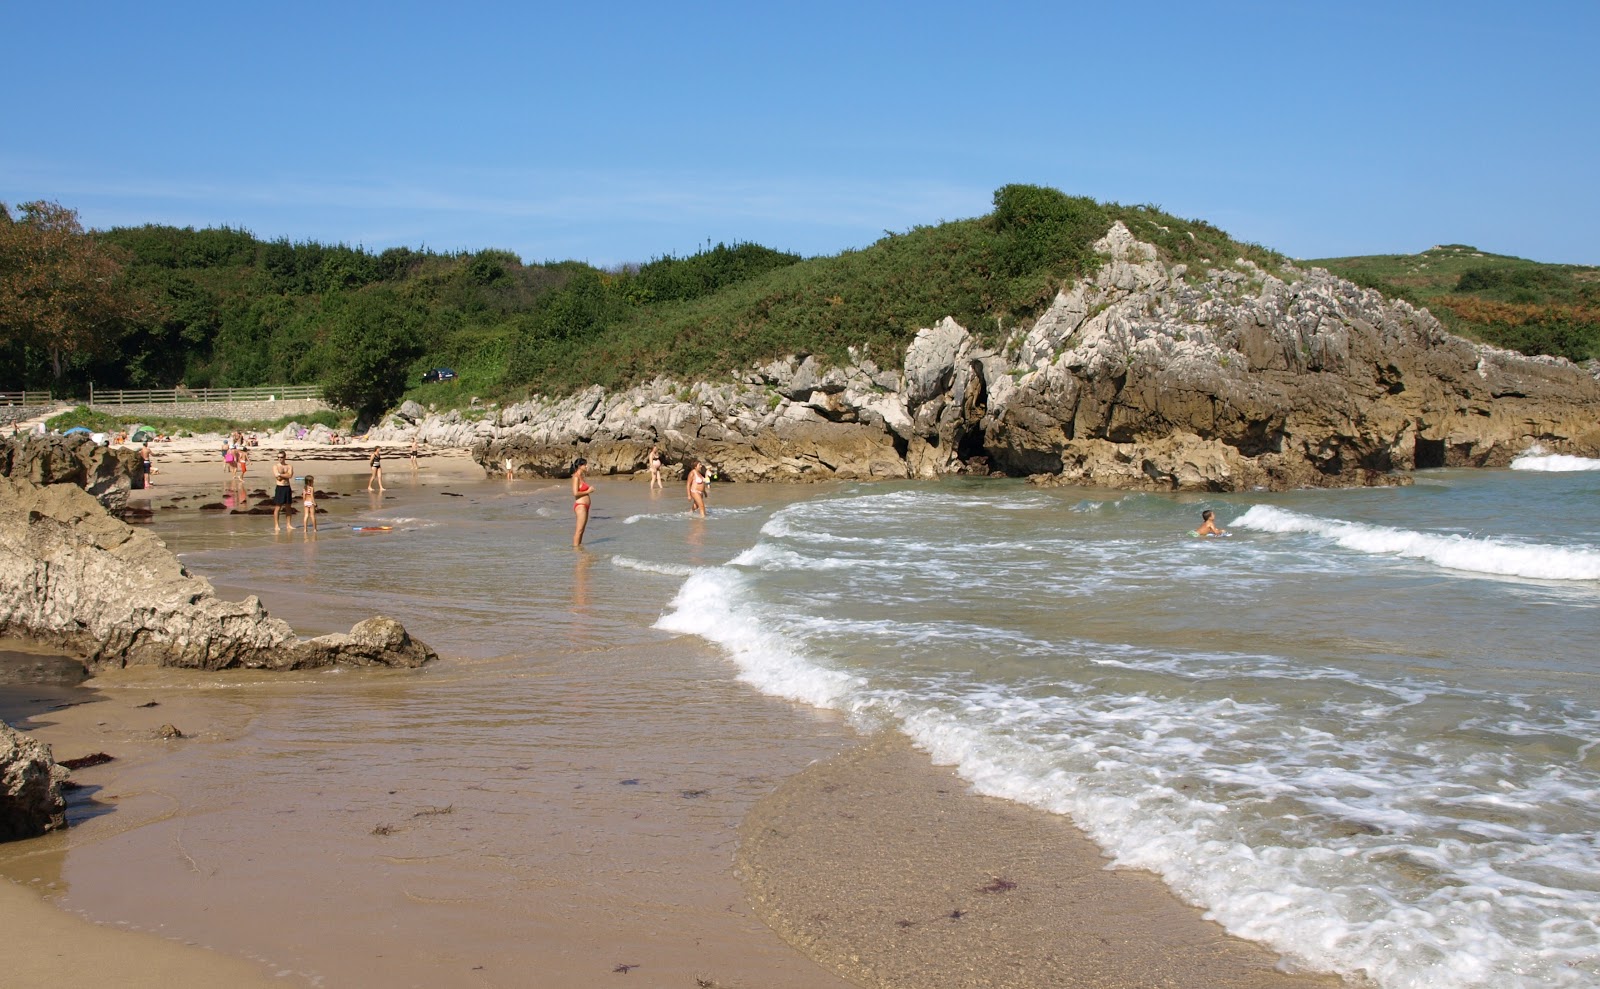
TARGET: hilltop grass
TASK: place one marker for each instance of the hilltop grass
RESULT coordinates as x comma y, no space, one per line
1506,301
988,273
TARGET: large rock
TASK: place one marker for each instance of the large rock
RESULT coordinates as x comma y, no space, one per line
1142,375
107,473
30,787
74,577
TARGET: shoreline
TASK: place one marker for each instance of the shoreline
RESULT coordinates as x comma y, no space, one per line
931,846
890,871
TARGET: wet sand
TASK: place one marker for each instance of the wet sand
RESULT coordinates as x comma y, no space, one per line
874,866
39,694
889,871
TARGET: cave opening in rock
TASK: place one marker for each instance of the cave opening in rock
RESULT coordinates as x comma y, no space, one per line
1429,453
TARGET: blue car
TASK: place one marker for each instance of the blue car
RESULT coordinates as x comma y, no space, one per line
438,374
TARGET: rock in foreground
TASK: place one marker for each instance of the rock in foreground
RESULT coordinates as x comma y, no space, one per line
74,577
30,787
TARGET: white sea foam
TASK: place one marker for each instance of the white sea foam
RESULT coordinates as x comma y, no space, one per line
1475,554
768,556
647,566
713,605
1556,462
1343,900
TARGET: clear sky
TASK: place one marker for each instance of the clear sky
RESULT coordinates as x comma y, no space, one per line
621,131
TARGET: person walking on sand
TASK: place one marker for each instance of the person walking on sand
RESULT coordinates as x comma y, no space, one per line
376,463
655,468
412,453
1208,525
580,498
282,489
309,504
695,486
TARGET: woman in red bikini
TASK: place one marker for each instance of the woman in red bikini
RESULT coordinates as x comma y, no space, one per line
580,498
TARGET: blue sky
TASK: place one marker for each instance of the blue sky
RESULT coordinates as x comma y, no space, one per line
625,131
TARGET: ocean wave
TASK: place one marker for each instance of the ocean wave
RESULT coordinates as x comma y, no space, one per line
1537,460
646,566
1473,554
714,605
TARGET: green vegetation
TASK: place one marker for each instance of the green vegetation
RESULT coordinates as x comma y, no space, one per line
221,308
102,422
1509,302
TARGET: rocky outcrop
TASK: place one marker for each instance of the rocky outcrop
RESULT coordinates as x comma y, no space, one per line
74,577
30,787
1144,375
107,473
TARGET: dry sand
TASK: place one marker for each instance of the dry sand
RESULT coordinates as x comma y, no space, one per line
196,462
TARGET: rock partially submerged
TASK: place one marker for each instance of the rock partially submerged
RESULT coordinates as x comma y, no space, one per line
1139,376
30,787
74,577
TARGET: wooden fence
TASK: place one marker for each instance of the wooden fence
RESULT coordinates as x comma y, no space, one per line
25,398
102,398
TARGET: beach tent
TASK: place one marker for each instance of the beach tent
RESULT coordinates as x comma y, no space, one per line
138,434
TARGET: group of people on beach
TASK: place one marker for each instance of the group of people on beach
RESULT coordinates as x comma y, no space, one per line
696,480
283,493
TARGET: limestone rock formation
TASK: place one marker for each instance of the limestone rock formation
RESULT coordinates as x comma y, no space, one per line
1142,375
30,787
106,473
74,577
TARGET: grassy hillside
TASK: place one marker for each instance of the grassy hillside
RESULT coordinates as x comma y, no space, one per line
1510,302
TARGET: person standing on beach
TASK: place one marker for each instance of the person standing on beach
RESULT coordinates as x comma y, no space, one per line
655,468
149,464
282,489
376,463
580,498
309,503
412,453
696,489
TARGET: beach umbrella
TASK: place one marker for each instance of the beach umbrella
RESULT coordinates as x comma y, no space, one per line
139,434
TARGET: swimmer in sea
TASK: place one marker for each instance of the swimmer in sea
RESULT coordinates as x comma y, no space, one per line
1208,525
696,489
580,498
655,467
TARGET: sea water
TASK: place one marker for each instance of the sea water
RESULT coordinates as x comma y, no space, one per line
1363,728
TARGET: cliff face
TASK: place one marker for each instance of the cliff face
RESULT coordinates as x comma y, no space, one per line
74,577
1140,376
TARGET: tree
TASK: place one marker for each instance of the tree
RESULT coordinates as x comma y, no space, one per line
371,341
60,289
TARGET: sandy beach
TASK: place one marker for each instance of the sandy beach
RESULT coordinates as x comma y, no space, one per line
812,858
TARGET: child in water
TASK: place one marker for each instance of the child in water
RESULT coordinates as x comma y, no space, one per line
1208,525
310,504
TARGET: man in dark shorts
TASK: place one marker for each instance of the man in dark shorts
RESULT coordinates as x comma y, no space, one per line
282,474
